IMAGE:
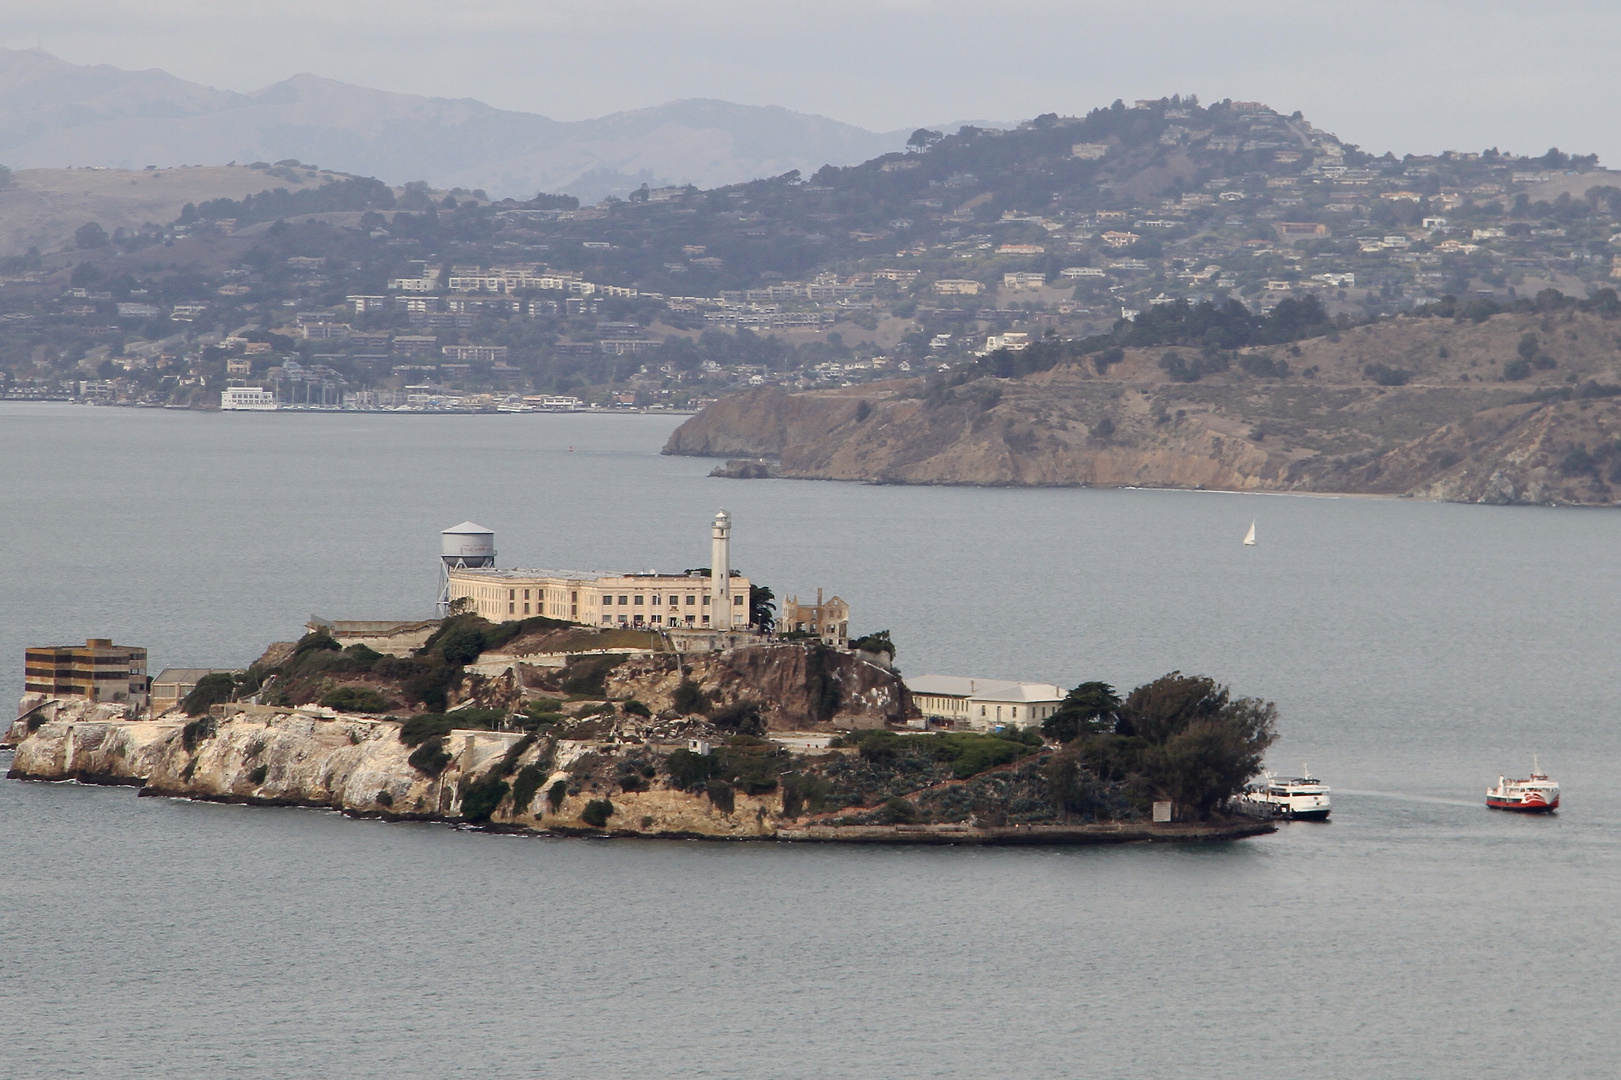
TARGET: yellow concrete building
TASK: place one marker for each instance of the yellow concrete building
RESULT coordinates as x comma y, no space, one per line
97,670
717,600
646,600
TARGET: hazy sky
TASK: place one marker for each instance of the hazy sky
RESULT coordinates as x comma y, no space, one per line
1417,76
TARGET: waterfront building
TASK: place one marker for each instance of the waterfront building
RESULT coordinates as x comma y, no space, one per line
171,685
715,598
98,670
254,398
982,704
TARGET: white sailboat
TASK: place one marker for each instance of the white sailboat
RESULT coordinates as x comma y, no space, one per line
1249,537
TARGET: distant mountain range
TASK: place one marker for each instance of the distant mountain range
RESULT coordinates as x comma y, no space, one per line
53,113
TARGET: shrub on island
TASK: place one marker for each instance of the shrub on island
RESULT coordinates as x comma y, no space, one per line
431,757
482,797
525,786
355,699
597,812
688,698
688,771
197,732
212,689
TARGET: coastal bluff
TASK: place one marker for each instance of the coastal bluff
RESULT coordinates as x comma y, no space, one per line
353,764
359,765
1418,406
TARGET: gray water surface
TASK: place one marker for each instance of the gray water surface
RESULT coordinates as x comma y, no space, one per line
1415,651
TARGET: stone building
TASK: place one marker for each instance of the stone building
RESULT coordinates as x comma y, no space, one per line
828,620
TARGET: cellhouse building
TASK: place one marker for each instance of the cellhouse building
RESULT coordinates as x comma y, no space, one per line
715,598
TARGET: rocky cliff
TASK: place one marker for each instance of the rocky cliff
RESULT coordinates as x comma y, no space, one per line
626,776
795,687
1431,407
355,764
541,663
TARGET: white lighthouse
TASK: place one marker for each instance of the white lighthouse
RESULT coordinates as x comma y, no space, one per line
720,572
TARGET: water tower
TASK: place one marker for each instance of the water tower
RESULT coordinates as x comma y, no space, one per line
462,547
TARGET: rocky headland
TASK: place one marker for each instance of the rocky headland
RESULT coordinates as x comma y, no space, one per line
1519,407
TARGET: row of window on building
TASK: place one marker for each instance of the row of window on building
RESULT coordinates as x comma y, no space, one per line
537,601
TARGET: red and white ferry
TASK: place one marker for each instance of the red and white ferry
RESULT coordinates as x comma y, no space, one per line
1535,795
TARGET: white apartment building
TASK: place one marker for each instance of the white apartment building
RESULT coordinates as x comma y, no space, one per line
249,398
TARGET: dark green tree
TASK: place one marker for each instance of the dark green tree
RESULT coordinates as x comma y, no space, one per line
879,642
597,812
462,645
1089,709
482,797
763,607
923,138
1201,744
689,698
215,689
90,235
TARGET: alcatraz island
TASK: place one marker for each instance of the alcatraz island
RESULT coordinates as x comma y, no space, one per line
652,705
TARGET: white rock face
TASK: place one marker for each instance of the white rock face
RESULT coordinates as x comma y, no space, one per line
349,763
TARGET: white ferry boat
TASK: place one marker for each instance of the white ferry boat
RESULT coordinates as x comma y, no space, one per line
1300,798
1534,795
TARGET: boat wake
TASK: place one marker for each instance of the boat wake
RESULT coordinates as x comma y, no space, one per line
1405,796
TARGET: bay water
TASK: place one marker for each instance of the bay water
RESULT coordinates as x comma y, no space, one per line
1415,651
